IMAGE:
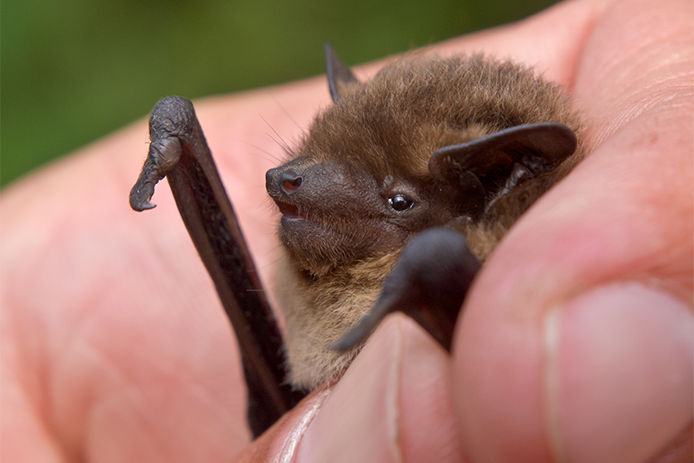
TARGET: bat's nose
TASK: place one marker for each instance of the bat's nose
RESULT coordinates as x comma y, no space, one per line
282,179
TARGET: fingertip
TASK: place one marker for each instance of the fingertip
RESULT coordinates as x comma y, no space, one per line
619,387
280,442
604,376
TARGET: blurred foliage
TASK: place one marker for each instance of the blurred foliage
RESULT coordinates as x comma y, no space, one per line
75,70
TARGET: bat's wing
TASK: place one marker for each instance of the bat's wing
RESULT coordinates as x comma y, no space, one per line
489,167
178,150
428,283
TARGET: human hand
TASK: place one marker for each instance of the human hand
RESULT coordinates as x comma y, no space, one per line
575,343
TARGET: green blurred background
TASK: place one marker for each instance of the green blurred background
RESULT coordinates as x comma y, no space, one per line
75,70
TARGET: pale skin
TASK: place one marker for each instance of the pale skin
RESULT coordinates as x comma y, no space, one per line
576,342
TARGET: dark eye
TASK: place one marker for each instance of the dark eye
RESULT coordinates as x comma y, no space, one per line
400,202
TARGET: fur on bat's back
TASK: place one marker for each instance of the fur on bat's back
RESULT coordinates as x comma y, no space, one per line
390,126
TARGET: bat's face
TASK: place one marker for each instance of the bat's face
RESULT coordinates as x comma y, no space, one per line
335,213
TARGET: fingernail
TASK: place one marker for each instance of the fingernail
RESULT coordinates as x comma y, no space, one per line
619,374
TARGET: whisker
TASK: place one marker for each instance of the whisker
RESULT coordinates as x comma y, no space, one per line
277,138
286,113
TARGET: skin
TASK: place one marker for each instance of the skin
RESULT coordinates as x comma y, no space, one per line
576,341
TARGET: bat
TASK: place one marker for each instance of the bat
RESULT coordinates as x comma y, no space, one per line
392,201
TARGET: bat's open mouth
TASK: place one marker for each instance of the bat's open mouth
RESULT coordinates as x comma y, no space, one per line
300,229
291,214
289,210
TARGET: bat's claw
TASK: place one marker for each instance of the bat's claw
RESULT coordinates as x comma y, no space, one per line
141,193
139,205
170,116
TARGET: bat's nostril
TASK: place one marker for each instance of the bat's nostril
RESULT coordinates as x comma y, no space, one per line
291,185
290,181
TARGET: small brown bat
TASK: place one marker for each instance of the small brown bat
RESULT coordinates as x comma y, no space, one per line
391,201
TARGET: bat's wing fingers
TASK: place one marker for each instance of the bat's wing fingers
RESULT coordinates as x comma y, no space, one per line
428,283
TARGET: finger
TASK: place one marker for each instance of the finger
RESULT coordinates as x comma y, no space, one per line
577,340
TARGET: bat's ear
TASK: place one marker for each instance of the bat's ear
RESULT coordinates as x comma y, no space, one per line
338,74
492,165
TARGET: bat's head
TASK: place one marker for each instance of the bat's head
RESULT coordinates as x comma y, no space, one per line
365,179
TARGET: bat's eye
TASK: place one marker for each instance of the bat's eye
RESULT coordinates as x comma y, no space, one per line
400,202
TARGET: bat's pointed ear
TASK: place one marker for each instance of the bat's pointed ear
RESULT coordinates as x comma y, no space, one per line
338,74
541,147
492,165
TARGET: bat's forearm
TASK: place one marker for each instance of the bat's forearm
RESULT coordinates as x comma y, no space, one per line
178,151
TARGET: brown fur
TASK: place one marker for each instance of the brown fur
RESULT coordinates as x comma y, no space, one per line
319,312
388,129
393,123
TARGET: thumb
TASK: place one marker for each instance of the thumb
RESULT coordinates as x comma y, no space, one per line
577,343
